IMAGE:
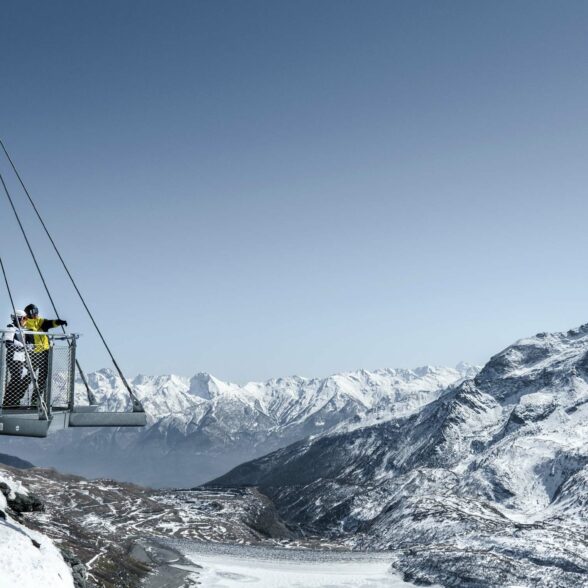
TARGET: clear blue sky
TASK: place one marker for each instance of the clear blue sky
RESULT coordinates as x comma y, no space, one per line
262,188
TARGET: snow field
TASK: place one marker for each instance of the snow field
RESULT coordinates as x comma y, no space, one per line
234,567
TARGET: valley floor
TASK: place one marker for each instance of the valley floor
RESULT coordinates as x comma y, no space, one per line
235,566
129,537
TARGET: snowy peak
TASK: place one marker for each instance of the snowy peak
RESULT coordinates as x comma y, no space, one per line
202,385
534,362
209,426
467,370
284,400
207,387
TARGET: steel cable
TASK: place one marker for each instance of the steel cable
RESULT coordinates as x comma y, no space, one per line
89,393
137,406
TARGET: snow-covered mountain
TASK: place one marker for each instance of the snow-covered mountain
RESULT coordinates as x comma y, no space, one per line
201,427
485,486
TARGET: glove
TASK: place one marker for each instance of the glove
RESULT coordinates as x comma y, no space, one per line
61,323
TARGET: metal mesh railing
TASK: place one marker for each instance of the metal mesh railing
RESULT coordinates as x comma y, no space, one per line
50,362
61,385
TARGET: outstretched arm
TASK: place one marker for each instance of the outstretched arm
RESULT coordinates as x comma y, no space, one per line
52,323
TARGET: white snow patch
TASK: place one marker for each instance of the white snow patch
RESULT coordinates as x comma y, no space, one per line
22,564
231,570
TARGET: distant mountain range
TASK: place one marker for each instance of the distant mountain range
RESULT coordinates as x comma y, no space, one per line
201,427
487,485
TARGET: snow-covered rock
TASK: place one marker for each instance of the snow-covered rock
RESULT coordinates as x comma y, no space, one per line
28,559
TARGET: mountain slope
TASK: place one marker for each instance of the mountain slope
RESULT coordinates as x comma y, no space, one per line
486,485
120,532
201,427
28,559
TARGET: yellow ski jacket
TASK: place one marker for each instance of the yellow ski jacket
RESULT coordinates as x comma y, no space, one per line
42,325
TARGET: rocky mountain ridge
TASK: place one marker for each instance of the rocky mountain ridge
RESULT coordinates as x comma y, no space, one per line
486,485
200,427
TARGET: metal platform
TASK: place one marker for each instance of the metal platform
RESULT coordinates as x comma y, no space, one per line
28,424
88,416
51,373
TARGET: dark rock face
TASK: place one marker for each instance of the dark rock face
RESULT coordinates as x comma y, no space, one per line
78,569
26,503
263,518
22,502
486,486
15,462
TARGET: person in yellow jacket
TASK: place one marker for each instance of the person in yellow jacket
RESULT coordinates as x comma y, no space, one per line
40,355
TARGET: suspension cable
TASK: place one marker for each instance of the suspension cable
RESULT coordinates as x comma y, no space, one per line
137,406
40,399
89,393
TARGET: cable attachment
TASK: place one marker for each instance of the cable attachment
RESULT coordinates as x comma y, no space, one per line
137,404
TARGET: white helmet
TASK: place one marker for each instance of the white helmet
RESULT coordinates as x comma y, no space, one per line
18,315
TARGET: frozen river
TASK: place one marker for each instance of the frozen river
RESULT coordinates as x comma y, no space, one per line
234,566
